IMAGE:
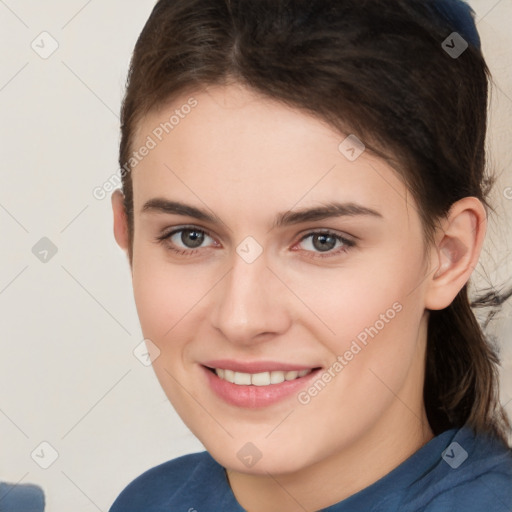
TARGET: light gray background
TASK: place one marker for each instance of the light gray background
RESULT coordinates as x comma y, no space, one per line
69,326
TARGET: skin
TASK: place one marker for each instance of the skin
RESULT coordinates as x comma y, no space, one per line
247,158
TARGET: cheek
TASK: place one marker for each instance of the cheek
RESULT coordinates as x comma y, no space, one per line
385,324
167,299
162,293
154,301
371,317
163,290
348,302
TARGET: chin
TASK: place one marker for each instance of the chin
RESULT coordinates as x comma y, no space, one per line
258,458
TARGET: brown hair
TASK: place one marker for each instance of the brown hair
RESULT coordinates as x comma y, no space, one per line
371,68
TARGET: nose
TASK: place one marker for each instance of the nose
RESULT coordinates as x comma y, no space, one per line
251,304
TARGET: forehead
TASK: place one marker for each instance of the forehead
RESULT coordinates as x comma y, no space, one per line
229,143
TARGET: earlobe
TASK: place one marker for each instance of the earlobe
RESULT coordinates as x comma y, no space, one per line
456,252
120,220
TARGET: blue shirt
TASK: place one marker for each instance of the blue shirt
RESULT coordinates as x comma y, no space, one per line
455,471
21,498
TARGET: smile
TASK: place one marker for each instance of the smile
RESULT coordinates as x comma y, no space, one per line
257,384
259,379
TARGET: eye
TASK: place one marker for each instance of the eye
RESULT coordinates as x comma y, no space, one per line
323,243
184,240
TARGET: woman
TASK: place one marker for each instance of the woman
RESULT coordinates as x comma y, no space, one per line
302,209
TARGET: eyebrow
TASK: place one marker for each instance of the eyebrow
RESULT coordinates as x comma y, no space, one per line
290,217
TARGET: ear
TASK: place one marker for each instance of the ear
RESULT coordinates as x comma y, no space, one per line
455,253
120,221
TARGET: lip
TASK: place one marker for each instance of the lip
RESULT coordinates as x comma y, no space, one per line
256,397
255,366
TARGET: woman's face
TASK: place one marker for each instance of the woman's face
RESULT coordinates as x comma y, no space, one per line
298,273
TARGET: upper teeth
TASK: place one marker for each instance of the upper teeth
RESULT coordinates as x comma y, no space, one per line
259,379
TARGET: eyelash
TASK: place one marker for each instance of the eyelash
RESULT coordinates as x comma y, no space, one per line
347,244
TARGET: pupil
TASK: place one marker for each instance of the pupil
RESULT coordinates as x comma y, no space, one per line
326,242
192,238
